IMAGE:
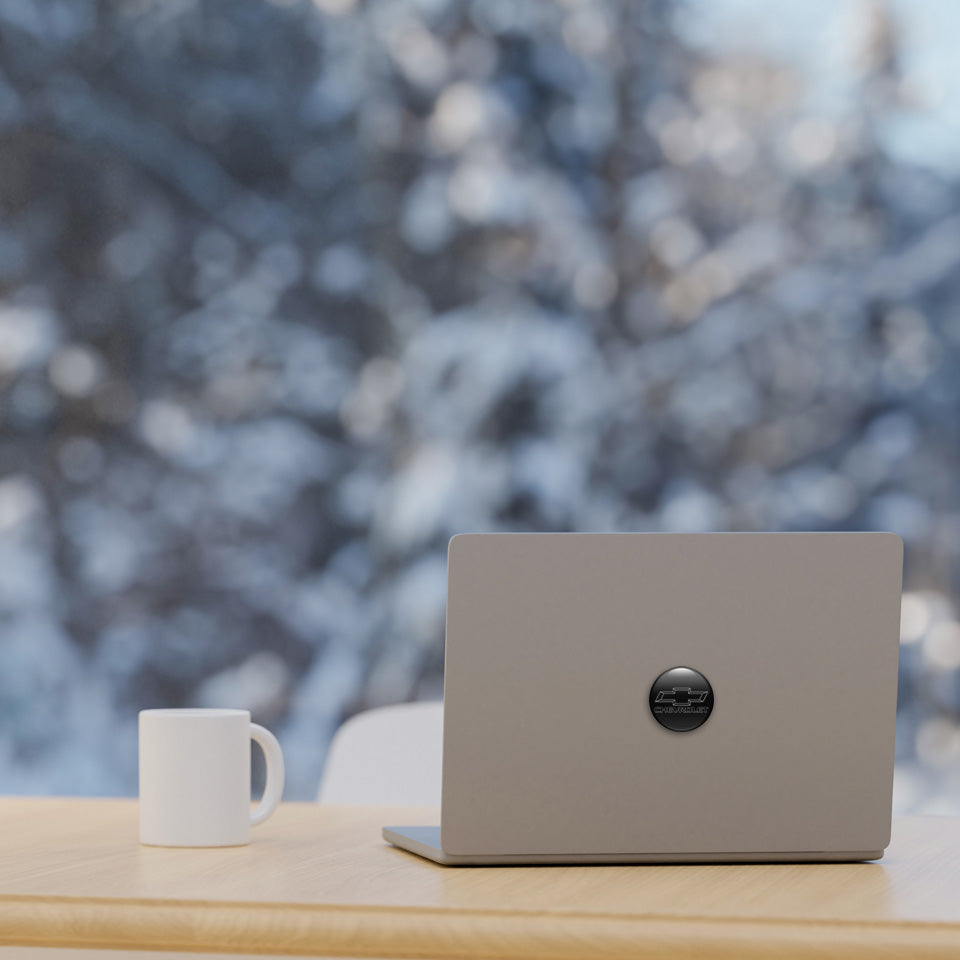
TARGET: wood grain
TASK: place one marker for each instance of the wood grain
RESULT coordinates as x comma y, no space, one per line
320,881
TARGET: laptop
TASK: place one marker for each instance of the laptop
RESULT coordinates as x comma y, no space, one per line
667,698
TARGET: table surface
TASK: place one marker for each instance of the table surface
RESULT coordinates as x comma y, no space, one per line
319,880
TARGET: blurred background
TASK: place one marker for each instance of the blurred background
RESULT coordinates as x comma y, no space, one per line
291,292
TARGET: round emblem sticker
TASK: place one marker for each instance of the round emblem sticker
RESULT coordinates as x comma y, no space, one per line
681,699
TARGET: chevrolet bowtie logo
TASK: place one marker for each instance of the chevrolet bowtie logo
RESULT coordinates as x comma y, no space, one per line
681,696
681,699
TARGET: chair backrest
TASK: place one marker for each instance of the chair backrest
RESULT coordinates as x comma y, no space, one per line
390,755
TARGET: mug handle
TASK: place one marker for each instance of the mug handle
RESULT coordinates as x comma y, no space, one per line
273,788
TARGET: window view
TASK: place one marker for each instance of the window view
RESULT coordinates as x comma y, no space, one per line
291,292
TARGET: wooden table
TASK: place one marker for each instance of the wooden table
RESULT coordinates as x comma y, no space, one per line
319,881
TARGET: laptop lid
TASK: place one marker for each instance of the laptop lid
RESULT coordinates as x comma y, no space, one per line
554,736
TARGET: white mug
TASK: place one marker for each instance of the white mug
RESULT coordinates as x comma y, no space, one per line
195,777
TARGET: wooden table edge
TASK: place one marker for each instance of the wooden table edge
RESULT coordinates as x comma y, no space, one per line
359,931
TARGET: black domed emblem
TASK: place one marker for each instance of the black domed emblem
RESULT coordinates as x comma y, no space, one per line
681,699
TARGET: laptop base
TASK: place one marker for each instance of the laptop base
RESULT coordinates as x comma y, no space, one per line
425,842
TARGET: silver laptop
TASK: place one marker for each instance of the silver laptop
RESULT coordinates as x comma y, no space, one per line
664,698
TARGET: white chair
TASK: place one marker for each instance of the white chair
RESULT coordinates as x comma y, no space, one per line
391,755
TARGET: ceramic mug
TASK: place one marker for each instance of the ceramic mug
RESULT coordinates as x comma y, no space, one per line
195,777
